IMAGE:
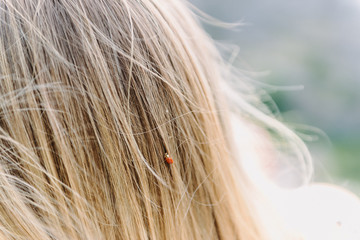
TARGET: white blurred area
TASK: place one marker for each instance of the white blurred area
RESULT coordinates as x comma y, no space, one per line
322,211
318,212
315,211
315,44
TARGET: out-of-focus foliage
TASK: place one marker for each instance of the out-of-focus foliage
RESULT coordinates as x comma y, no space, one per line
311,43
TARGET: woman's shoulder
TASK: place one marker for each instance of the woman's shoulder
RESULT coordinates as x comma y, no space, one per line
323,211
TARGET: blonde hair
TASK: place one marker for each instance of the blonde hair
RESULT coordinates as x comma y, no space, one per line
93,93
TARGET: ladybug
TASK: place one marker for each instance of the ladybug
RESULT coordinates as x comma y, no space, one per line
168,159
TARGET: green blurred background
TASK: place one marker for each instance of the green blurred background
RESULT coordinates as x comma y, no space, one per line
315,44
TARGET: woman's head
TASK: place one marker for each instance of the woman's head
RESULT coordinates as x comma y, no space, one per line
93,94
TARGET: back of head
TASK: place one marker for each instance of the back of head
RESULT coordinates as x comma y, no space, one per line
93,94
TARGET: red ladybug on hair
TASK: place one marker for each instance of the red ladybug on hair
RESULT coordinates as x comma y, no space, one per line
168,159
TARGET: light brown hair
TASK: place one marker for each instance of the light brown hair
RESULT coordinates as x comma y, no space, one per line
93,93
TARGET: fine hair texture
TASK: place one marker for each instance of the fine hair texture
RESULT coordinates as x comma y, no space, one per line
93,94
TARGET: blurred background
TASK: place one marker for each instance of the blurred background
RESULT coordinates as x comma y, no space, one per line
314,44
